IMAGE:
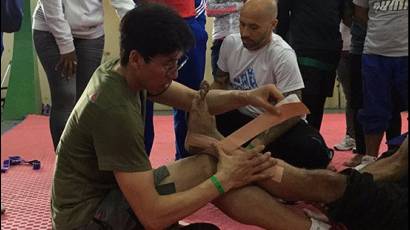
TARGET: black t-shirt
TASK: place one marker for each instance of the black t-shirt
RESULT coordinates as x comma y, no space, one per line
311,24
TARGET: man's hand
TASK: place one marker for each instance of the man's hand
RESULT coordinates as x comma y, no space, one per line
243,166
265,97
67,65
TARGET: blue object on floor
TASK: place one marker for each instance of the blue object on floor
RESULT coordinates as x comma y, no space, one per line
17,160
5,166
397,140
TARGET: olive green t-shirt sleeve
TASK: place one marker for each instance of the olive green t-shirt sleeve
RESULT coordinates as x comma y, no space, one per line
119,140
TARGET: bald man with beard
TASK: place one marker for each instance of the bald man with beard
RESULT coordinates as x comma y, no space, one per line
255,57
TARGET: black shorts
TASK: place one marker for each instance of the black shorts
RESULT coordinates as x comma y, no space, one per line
301,146
369,205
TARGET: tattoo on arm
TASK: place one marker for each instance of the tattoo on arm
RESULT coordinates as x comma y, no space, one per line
221,80
273,133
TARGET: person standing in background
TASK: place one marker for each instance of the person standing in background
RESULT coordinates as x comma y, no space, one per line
200,6
344,77
11,17
311,27
191,72
11,20
384,66
226,22
358,34
69,39
255,57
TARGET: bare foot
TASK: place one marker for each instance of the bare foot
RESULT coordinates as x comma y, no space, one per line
202,131
354,161
391,168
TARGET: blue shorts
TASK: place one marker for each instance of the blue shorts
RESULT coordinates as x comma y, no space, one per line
382,76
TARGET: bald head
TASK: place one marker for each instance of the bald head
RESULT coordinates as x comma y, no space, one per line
257,21
261,8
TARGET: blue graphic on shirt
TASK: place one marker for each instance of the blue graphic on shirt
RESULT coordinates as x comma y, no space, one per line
245,81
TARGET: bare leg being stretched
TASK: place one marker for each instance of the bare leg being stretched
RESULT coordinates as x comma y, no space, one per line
299,184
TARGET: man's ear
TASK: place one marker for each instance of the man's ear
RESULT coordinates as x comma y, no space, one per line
274,23
135,59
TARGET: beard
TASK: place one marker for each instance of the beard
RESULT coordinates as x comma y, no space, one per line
248,44
252,44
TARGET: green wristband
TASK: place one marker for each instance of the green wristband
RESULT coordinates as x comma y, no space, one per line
217,184
250,146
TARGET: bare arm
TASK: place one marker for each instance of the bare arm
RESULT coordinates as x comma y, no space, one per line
220,101
273,133
361,14
155,211
221,80
159,211
347,21
347,13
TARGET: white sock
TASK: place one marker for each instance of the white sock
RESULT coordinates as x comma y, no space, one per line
316,215
318,225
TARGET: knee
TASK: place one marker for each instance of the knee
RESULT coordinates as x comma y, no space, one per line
303,147
374,120
319,155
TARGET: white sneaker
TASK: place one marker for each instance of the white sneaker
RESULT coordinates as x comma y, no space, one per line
319,225
347,144
183,223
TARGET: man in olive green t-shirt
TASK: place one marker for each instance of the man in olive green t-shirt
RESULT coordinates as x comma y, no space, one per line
103,176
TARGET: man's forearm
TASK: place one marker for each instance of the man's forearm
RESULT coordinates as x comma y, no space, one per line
174,207
221,101
361,15
273,133
219,84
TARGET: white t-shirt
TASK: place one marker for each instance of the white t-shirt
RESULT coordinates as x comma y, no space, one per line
226,17
273,64
66,19
387,28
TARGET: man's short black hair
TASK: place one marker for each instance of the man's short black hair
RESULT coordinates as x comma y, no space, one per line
153,29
